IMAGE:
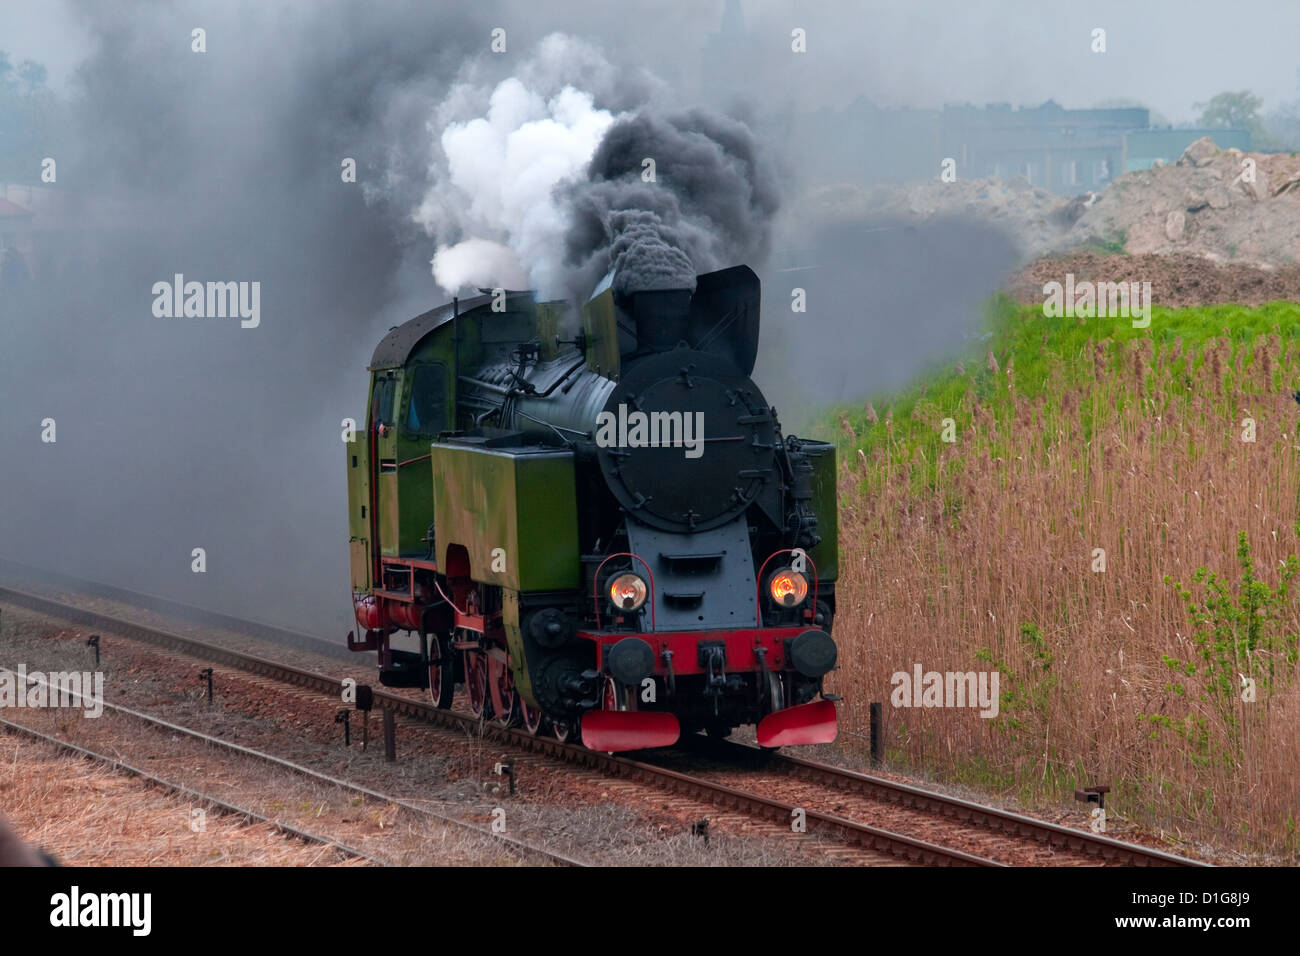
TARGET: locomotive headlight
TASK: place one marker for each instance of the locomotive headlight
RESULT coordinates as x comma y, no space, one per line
788,588
627,591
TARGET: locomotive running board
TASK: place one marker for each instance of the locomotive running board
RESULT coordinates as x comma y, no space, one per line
805,724
611,731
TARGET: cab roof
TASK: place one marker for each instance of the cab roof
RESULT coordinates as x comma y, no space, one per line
397,346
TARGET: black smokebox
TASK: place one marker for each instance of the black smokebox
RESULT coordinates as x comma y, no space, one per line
662,317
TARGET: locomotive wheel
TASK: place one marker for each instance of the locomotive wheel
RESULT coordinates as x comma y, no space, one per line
614,698
775,693
501,683
532,717
442,674
561,729
775,700
509,714
476,684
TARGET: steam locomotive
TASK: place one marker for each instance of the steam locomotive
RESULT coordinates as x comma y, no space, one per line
606,536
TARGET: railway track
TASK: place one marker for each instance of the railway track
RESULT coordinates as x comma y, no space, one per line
1052,837
900,846
366,793
1104,849
168,786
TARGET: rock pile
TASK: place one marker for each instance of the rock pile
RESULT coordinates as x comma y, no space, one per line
1222,205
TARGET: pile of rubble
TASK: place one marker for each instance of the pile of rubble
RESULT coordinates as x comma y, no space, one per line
1222,205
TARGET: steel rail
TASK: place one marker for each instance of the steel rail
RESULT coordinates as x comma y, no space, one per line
316,775
1107,849
168,786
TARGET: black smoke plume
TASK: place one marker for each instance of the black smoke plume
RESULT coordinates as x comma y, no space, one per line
647,254
710,204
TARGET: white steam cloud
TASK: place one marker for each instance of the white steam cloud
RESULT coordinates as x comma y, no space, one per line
492,176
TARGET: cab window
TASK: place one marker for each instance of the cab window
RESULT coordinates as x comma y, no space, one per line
382,403
426,411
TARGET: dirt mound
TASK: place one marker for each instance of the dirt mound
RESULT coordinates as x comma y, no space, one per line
1222,205
1177,280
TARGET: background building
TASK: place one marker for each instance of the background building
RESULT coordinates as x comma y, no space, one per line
1062,150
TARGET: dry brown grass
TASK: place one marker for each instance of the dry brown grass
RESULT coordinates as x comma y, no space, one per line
1004,537
87,815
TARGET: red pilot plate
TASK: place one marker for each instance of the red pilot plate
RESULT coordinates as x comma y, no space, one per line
615,730
813,723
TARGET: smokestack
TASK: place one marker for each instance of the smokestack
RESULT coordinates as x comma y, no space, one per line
662,317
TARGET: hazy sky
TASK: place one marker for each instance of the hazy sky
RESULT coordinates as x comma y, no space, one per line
1170,54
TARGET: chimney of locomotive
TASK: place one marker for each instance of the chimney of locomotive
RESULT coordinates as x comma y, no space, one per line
662,317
